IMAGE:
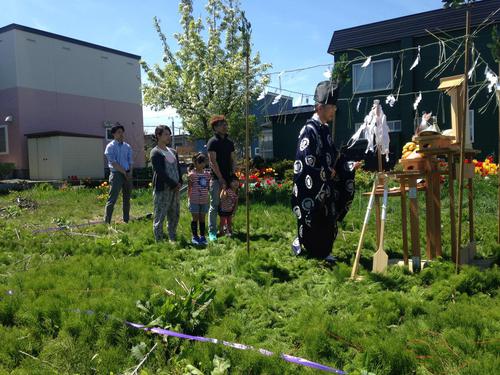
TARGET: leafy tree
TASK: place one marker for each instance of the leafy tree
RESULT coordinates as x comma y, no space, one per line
456,3
206,75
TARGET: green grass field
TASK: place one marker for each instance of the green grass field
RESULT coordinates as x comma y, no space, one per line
65,294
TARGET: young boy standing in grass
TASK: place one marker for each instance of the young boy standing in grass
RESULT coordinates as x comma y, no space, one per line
198,183
167,181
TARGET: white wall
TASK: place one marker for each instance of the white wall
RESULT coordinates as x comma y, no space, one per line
54,65
7,60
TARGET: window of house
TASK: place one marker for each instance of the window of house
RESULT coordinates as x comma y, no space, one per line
4,140
375,77
109,136
394,127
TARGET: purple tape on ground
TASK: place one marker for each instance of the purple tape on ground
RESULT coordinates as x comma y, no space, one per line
305,362
286,357
166,332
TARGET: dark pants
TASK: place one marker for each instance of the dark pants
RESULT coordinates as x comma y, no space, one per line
118,182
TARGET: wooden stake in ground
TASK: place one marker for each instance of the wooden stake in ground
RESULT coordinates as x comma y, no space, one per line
355,265
462,140
380,258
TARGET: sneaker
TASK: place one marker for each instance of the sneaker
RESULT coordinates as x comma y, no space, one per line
195,240
203,240
212,236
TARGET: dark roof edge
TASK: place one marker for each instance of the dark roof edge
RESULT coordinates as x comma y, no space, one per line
308,108
57,133
14,26
478,6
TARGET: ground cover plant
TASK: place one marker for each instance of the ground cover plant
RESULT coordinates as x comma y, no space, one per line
64,294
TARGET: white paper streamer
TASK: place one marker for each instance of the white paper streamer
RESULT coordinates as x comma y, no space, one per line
491,77
262,95
417,101
471,71
367,62
357,105
391,100
277,99
417,60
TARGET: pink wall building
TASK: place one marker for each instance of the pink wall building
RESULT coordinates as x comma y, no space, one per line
51,83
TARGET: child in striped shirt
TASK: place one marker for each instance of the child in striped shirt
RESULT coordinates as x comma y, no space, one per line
227,207
198,183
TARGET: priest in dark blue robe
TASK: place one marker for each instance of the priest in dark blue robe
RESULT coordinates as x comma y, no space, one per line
323,186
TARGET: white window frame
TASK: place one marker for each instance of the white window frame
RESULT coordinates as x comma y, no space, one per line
355,84
392,126
256,151
6,139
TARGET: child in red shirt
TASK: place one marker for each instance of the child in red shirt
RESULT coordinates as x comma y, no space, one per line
198,183
227,207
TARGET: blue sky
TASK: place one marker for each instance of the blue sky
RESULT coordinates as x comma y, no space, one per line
288,33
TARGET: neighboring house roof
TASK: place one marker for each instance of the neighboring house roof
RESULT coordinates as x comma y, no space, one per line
60,134
412,26
14,26
295,111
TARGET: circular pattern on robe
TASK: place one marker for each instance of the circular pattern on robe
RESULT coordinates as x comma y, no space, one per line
309,182
295,190
296,211
296,242
308,204
310,160
303,144
308,222
297,167
349,186
328,158
322,174
329,138
301,231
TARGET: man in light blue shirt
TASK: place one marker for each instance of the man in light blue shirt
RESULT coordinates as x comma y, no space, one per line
119,155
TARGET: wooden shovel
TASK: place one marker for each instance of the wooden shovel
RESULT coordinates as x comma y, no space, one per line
380,258
355,265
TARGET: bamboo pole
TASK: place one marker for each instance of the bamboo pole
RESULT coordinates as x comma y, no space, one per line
246,30
462,139
498,156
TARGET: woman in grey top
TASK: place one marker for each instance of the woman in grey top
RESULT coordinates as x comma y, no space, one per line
167,181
